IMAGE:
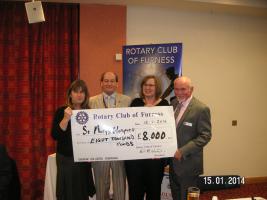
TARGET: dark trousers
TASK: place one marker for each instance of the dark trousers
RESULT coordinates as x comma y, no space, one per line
144,178
180,184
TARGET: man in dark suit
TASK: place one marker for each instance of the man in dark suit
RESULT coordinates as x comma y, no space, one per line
9,178
193,129
5,173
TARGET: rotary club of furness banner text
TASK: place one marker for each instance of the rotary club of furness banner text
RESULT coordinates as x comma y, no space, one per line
161,60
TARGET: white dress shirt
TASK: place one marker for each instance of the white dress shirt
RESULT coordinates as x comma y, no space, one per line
184,105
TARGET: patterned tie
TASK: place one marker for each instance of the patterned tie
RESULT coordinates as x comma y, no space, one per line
177,110
109,101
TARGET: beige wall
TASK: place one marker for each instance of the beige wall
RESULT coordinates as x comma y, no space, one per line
226,57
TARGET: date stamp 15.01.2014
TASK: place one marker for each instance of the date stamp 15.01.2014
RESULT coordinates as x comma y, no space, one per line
223,180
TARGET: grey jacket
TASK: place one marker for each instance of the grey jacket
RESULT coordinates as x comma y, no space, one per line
193,133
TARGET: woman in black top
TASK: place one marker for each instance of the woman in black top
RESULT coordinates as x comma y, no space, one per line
145,176
74,180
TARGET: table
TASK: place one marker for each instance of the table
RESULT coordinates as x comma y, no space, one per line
51,175
249,198
50,178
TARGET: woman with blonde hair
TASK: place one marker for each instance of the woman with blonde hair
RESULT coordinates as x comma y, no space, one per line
145,176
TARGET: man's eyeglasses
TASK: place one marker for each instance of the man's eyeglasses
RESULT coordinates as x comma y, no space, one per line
109,81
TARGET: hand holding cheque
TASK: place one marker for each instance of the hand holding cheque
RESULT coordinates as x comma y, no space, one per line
123,133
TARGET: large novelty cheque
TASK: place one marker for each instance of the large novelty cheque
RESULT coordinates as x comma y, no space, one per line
123,133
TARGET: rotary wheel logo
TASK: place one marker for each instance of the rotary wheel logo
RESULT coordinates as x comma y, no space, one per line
82,117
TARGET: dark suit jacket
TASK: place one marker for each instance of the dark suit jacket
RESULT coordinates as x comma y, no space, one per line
5,173
193,133
9,179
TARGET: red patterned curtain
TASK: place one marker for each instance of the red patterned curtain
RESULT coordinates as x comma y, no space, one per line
37,64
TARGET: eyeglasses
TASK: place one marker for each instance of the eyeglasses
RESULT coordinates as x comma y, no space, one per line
149,85
109,81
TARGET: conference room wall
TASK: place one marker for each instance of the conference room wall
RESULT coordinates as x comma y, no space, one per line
102,35
226,57
224,54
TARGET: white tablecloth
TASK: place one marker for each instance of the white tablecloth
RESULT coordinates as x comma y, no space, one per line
51,174
50,178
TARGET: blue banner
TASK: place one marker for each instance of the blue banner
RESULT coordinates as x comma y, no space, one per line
161,60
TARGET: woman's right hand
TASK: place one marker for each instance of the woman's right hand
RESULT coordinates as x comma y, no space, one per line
64,122
67,114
